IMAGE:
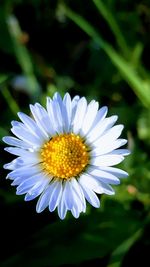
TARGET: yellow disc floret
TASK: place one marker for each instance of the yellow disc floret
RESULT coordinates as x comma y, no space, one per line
65,156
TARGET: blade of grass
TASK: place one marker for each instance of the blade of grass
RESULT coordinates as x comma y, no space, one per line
3,78
119,252
12,104
3,132
23,56
108,16
139,86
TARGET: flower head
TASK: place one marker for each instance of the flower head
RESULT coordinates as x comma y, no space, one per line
65,154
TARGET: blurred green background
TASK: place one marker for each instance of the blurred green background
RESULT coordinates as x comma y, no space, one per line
99,49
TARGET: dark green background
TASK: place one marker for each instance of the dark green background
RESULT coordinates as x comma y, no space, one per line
99,49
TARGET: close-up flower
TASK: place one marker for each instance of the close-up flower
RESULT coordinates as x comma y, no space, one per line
65,153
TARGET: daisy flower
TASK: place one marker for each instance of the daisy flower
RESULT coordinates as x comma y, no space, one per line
65,154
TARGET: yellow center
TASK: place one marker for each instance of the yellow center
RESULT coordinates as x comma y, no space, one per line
65,156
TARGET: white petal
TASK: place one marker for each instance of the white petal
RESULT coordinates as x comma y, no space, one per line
90,196
78,203
32,126
21,179
91,183
80,114
52,116
58,115
17,181
26,156
62,210
75,212
25,172
96,185
123,152
42,119
10,140
20,152
67,104
30,161
36,190
45,120
43,201
106,160
29,183
103,175
14,164
101,128
63,114
57,97
107,189
17,123
37,117
56,194
105,148
110,135
26,136
74,103
89,117
101,114
115,171
78,192
68,195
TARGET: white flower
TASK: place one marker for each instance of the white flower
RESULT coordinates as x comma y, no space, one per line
65,154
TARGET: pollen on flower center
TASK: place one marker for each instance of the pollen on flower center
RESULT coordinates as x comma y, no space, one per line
65,156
